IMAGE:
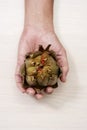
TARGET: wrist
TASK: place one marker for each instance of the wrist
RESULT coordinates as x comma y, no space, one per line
41,26
39,14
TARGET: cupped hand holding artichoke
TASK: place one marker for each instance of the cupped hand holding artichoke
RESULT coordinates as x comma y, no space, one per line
40,69
39,72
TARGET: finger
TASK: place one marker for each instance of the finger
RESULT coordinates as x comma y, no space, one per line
63,63
38,93
64,68
19,85
39,96
30,91
49,90
64,73
20,60
18,77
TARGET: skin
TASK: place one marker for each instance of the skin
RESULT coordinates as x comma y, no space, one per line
39,29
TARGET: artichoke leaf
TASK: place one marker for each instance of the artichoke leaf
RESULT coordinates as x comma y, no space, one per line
22,70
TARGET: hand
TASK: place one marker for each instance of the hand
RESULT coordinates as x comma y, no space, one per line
40,16
30,40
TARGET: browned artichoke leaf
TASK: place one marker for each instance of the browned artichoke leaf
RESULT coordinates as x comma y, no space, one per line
43,78
51,63
47,48
31,70
53,54
31,80
55,85
37,60
37,53
28,55
59,72
38,90
22,70
53,80
29,62
23,73
41,48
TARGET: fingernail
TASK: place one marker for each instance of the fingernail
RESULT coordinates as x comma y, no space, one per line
30,91
49,90
63,79
38,96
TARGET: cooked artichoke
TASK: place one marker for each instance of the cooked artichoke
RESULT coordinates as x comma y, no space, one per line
40,69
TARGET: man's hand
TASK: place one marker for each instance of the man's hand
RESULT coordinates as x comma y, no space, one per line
30,40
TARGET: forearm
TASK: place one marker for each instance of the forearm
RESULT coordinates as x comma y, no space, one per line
39,13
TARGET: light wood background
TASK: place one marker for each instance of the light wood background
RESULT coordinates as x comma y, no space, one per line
66,108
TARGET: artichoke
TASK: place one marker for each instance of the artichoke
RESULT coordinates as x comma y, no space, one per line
40,69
